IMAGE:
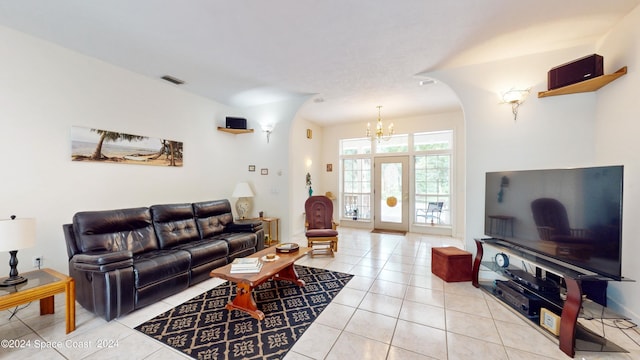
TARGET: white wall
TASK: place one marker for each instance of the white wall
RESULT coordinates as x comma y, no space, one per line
549,132
46,89
617,130
305,156
273,193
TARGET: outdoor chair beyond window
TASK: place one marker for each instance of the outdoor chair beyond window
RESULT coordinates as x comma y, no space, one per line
432,213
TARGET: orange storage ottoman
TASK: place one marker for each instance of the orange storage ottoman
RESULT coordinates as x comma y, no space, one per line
451,264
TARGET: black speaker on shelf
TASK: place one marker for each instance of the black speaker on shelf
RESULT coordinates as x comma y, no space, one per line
236,123
575,71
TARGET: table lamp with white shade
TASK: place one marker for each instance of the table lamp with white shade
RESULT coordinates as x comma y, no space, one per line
244,194
16,234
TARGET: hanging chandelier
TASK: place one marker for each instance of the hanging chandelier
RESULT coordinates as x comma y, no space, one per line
379,133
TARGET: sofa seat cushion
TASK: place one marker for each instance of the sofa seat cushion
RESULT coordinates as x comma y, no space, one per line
205,251
155,266
238,241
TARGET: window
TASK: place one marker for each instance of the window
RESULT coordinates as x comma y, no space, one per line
356,178
438,140
355,146
432,177
432,154
356,194
397,144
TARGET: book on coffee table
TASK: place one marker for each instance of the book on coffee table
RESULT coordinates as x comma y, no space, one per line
245,265
245,270
247,261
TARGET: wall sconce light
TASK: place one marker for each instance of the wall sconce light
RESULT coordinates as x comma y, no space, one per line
268,128
515,98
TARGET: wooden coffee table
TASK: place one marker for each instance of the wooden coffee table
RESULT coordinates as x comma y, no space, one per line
42,285
280,269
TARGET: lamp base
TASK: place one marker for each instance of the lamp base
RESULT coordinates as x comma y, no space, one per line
243,205
14,278
12,281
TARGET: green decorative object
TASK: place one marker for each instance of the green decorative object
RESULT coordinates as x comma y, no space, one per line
309,184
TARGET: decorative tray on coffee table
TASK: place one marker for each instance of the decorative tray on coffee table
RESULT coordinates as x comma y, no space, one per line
287,247
267,259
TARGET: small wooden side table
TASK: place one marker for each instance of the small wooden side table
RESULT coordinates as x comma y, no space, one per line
273,238
43,285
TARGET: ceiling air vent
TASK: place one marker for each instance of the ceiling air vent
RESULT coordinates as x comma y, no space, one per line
172,80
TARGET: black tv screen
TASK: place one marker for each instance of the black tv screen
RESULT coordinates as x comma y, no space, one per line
572,215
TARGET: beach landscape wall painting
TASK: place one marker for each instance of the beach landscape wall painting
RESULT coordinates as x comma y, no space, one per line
114,147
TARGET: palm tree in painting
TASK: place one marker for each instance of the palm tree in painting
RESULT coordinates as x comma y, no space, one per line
111,136
172,150
175,149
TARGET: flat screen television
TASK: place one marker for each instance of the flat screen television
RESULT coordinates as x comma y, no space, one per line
571,215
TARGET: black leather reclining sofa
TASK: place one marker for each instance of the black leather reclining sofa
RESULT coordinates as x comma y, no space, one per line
122,260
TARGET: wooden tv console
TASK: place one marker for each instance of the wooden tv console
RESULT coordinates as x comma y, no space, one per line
572,336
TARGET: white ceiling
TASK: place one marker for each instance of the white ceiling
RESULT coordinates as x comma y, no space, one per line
351,55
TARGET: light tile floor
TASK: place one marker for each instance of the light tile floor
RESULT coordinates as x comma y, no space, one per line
393,308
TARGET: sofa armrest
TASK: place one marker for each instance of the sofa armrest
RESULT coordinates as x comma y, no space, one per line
244,226
251,225
102,262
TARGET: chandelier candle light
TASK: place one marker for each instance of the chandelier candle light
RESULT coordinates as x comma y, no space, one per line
379,134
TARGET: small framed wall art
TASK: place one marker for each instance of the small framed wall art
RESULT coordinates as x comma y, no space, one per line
264,171
309,134
329,167
252,168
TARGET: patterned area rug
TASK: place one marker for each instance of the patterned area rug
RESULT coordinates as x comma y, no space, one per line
203,329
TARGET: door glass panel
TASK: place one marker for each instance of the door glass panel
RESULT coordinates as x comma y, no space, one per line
391,192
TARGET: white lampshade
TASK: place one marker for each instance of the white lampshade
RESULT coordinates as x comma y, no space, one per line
242,190
17,234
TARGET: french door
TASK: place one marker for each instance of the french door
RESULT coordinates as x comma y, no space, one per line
391,193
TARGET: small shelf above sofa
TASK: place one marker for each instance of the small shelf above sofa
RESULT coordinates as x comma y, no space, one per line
235,131
585,86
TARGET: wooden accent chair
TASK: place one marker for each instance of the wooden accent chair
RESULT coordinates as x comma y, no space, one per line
320,229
